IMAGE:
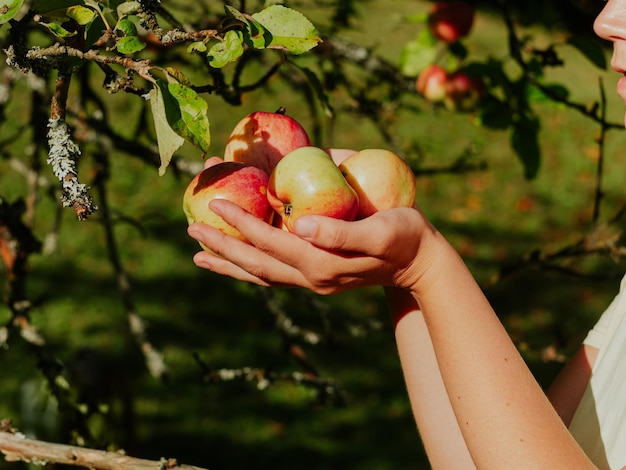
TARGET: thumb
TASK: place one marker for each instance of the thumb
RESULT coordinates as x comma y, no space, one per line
334,234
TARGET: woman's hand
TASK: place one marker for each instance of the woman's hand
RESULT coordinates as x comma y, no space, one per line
325,255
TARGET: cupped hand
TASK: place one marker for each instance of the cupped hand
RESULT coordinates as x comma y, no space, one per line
325,255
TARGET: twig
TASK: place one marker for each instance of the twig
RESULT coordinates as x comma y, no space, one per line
16,447
142,67
64,152
326,388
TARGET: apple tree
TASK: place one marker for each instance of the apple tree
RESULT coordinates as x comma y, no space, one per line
108,108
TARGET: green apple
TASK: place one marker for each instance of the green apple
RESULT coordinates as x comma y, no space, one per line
243,184
262,138
381,179
307,181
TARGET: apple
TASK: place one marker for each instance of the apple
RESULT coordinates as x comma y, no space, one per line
431,83
382,180
262,138
307,181
243,184
463,91
450,21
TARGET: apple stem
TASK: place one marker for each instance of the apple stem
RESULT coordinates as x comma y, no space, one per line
281,110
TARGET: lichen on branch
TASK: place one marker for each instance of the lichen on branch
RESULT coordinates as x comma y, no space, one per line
62,157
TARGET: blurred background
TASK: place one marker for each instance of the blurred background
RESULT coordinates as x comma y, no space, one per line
111,338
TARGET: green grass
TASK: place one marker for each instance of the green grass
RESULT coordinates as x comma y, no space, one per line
493,217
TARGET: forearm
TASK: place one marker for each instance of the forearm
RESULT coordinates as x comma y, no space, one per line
502,412
431,407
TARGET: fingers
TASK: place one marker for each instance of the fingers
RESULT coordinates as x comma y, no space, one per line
370,236
222,266
271,255
339,155
209,162
240,260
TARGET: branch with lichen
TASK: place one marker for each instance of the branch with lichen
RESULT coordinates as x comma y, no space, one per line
64,152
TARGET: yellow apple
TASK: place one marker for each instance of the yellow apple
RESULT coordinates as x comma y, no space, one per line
307,181
381,179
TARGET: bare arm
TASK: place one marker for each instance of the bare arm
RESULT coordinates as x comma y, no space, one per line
504,416
568,388
431,407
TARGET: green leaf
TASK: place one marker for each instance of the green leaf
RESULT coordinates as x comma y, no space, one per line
8,9
179,76
255,34
198,46
552,92
168,140
130,42
82,15
127,27
525,142
128,8
193,123
59,30
229,49
494,114
418,54
290,29
129,45
236,14
591,49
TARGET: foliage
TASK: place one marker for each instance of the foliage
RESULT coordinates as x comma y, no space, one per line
108,107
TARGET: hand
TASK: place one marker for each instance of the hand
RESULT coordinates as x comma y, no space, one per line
324,255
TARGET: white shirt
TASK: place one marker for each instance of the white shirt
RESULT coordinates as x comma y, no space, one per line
599,424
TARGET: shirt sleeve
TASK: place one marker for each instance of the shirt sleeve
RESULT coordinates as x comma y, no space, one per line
596,335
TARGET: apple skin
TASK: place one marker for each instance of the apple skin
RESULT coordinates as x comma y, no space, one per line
307,181
463,91
431,83
450,21
382,180
243,184
262,138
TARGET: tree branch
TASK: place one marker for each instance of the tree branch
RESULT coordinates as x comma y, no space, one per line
16,447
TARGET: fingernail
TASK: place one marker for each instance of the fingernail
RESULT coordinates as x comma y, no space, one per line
215,207
194,232
306,227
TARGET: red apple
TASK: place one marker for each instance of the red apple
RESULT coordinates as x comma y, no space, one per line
307,181
431,83
243,184
382,180
262,138
463,91
450,21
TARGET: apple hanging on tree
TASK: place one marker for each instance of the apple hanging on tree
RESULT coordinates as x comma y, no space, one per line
462,91
431,83
451,21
